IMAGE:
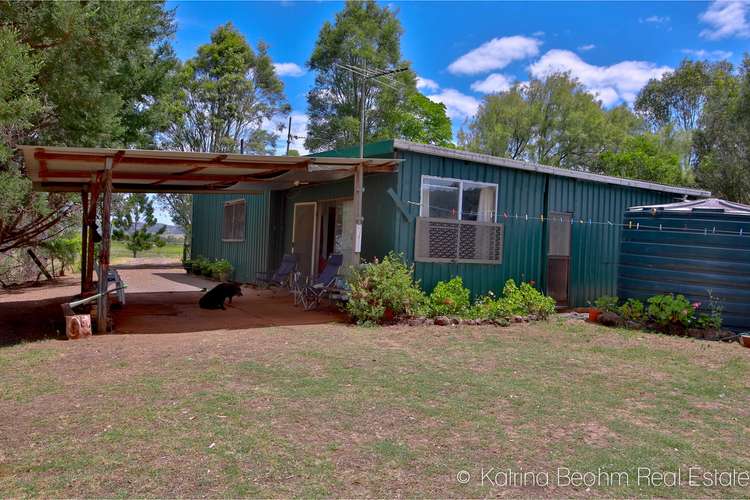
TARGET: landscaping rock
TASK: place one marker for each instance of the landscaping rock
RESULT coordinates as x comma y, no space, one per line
443,321
518,319
610,319
696,333
502,322
456,321
429,322
532,317
416,322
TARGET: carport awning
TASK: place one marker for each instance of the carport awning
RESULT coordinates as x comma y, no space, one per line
136,170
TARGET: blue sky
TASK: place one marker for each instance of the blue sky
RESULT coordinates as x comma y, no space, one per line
463,50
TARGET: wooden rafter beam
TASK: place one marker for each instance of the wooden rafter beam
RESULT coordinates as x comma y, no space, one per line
219,161
146,176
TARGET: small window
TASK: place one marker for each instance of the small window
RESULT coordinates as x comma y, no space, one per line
457,222
458,199
234,221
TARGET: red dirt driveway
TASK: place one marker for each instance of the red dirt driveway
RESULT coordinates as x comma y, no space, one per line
159,299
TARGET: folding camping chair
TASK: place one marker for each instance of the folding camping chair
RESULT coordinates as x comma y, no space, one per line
323,284
282,276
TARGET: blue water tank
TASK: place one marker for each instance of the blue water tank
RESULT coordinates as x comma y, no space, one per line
696,248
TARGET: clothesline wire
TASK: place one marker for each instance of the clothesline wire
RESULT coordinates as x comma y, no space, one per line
631,224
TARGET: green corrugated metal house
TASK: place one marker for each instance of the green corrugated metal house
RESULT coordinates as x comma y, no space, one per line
450,212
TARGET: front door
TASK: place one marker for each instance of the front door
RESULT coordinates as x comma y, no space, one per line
303,236
558,256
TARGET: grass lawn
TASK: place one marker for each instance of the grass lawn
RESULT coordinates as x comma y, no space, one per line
120,255
335,410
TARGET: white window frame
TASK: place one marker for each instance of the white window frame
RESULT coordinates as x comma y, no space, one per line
223,220
461,183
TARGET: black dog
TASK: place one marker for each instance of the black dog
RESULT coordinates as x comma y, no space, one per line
214,298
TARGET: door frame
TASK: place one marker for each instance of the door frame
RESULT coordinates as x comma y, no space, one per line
568,258
313,251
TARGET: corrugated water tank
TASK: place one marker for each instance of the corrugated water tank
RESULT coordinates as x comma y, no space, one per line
696,248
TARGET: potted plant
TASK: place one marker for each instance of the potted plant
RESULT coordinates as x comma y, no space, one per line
187,265
221,269
198,264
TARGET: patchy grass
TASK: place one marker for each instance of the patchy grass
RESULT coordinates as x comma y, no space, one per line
119,254
335,410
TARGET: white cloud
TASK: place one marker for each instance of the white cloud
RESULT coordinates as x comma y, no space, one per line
655,19
586,48
288,69
427,84
495,54
620,81
458,105
726,19
538,34
708,54
493,84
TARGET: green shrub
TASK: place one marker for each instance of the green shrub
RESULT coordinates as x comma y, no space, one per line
198,264
669,309
220,267
492,308
525,299
607,303
516,301
381,285
633,310
450,298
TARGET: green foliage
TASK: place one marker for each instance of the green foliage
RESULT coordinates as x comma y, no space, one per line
490,307
450,298
711,319
63,249
424,121
198,264
516,300
722,144
75,73
633,310
677,97
105,67
381,285
220,267
669,309
525,299
365,34
225,94
553,121
643,157
131,220
607,303
179,206
20,104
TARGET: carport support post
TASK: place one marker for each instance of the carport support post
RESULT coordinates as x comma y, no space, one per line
358,219
91,220
84,235
103,302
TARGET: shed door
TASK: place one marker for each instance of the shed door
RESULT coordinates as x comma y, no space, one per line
303,236
558,256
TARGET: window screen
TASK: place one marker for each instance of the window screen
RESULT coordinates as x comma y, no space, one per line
234,221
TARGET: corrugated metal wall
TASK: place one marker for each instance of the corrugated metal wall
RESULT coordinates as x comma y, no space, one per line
519,192
248,257
595,248
377,207
594,252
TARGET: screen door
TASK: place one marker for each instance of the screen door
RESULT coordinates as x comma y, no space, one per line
558,256
303,236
